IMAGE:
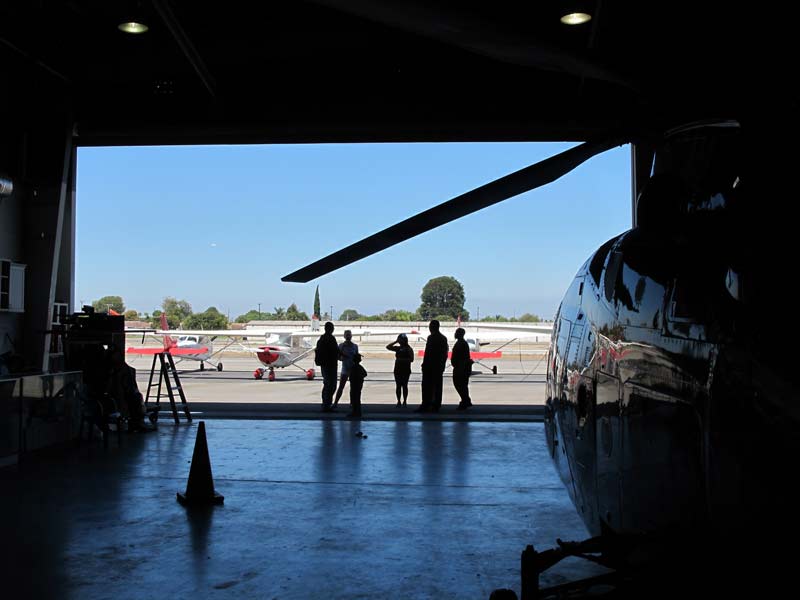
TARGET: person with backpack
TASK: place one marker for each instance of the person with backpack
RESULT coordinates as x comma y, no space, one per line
357,375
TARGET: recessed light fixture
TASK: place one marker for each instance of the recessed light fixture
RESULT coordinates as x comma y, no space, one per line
576,18
132,27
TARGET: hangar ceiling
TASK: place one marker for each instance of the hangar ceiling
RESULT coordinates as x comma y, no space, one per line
376,70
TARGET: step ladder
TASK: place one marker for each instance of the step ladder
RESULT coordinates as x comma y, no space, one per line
168,376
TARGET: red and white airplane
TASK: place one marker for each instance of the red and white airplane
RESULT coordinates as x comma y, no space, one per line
512,332
186,345
281,348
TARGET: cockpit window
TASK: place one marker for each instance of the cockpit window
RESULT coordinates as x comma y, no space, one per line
707,158
598,260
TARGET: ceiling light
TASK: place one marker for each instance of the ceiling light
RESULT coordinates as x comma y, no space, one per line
576,18
132,27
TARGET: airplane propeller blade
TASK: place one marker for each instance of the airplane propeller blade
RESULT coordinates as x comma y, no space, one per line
524,180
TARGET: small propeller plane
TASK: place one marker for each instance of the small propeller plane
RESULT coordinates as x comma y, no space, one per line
186,345
505,332
280,349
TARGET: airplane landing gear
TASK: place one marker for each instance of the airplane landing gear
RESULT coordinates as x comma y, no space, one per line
310,374
219,366
271,376
202,366
258,373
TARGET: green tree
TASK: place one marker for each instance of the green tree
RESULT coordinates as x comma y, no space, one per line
529,318
316,303
294,314
177,311
350,314
443,296
112,302
211,318
131,315
396,315
155,319
253,315
280,313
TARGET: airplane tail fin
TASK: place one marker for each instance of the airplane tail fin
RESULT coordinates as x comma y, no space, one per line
168,341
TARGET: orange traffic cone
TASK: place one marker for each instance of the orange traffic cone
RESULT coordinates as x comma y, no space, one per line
200,487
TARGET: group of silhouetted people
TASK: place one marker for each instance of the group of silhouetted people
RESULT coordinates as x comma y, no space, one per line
328,354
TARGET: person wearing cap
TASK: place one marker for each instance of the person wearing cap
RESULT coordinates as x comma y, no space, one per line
403,357
347,350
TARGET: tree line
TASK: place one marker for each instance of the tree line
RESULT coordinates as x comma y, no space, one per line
442,298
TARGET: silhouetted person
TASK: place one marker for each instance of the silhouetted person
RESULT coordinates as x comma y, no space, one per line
347,350
462,369
326,356
357,375
122,387
403,357
433,365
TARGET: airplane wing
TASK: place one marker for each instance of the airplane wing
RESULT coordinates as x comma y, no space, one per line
534,328
210,332
173,351
473,355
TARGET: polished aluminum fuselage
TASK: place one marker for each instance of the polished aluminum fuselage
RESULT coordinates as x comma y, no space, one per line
664,414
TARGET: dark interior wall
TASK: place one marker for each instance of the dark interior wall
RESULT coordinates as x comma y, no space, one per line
36,154
11,214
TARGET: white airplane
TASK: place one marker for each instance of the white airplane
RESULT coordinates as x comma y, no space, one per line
506,332
186,345
281,348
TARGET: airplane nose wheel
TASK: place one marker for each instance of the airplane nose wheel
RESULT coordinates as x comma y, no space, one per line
219,366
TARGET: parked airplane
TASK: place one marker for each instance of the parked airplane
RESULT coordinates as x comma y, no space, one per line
280,349
512,332
190,346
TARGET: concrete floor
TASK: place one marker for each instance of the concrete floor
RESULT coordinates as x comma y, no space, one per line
416,510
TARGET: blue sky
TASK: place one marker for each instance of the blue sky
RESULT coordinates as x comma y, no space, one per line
220,225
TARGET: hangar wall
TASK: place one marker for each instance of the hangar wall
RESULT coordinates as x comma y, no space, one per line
37,230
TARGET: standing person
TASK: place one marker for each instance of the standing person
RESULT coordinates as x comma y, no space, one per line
462,369
403,357
433,365
347,350
357,375
326,356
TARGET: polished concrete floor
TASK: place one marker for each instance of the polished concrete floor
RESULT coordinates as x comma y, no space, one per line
414,510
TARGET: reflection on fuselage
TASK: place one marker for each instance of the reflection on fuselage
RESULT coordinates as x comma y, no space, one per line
667,410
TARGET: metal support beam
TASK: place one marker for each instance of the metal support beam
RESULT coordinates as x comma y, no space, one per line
50,163
189,51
